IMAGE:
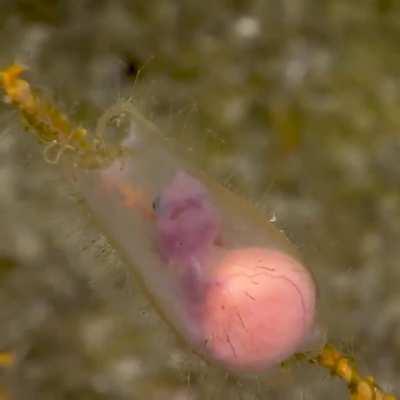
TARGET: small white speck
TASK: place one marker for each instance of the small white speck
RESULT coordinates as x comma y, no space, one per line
247,27
273,218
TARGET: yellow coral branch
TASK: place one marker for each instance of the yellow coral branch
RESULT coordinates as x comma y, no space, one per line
360,387
4,394
7,359
51,126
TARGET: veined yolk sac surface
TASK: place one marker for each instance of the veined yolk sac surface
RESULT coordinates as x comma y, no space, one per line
228,282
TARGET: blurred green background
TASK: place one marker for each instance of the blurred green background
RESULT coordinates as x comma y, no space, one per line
293,103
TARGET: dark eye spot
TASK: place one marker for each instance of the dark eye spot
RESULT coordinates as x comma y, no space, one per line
156,204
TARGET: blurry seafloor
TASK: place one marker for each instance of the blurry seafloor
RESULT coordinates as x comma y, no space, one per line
294,103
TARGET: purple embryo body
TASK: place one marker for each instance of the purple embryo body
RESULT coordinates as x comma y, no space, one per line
186,221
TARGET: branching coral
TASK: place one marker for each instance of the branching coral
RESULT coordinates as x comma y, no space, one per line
52,127
360,387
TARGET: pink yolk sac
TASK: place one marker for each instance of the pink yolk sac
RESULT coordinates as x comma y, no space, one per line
259,309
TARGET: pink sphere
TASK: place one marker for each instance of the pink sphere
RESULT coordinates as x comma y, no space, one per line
259,309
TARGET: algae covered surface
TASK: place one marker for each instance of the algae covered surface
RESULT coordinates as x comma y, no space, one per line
294,104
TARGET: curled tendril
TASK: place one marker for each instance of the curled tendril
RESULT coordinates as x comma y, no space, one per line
61,148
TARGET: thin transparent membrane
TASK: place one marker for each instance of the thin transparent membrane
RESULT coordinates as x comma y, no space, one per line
227,280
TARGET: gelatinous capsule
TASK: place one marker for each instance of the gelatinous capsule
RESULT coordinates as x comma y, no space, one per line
224,277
